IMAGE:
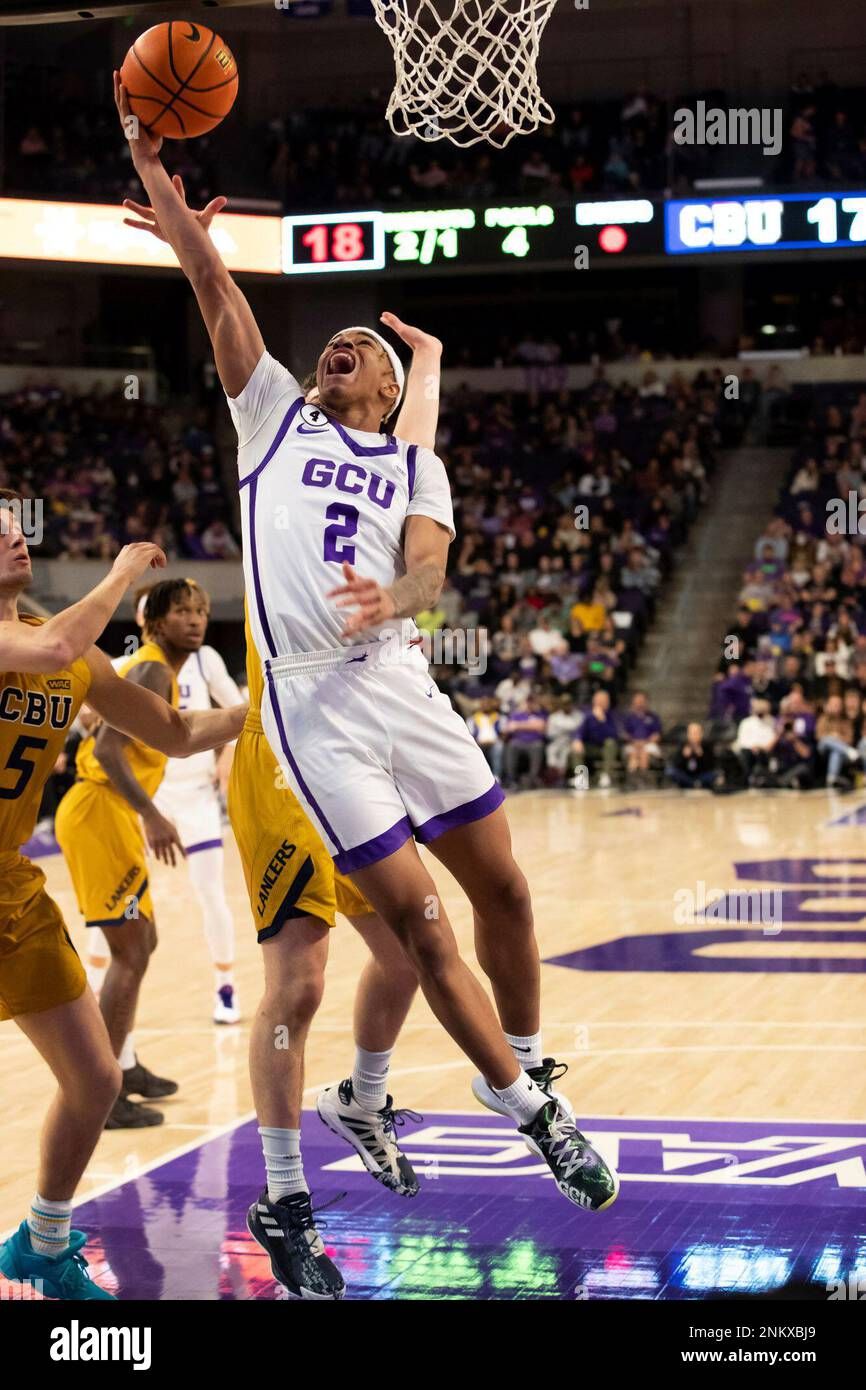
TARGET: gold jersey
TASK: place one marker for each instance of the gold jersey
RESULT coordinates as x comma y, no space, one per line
36,712
255,679
146,764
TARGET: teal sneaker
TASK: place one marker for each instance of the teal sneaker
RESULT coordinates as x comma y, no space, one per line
58,1276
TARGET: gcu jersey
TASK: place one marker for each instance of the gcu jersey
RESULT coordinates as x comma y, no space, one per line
314,494
202,682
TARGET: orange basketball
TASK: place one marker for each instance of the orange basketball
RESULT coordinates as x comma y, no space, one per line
181,79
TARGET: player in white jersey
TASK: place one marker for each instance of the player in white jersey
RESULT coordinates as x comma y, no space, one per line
189,796
374,752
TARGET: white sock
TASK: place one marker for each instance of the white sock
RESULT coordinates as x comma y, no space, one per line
206,876
49,1224
127,1053
283,1163
370,1077
96,973
223,978
526,1050
523,1099
98,951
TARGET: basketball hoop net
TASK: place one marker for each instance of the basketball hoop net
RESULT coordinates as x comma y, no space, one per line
465,69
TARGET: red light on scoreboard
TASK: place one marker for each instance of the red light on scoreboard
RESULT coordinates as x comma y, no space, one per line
330,242
613,239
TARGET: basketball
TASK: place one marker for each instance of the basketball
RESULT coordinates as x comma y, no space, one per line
181,78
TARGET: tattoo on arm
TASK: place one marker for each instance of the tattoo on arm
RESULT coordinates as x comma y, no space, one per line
417,590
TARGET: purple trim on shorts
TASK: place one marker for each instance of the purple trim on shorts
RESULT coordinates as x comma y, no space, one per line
203,844
284,743
411,456
366,451
278,439
372,850
461,815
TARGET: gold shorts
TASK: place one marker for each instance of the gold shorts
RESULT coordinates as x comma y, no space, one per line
288,871
39,966
103,845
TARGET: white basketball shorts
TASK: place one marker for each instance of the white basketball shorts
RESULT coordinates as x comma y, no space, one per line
195,810
373,750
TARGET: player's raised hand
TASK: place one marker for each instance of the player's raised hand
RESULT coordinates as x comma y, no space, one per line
134,559
414,338
142,144
372,603
162,837
146,219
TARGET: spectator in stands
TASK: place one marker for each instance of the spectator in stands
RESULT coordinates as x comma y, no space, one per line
835,734
755,740
600,736
642,730
693,765
804,144
486,725
793,757
563,735
589,617
219,543
639,573
544,639
191,544
524,732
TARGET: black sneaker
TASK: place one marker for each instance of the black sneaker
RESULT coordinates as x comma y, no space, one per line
372,1133
286,1232
581,1174
128,1114
138,1081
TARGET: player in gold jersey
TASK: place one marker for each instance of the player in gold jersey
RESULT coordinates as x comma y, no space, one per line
46,670
101,825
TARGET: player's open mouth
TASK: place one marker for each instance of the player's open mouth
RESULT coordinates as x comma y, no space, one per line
342,362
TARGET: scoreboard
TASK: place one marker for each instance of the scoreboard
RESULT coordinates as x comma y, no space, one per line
781,222
486,237
591,234
586,234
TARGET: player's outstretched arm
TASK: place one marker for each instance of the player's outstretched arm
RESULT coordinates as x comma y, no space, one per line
143,714
66,636
419,413
234,333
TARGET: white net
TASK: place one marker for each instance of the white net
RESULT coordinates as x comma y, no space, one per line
465,69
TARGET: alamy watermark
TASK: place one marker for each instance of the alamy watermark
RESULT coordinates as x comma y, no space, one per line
756,125
26,515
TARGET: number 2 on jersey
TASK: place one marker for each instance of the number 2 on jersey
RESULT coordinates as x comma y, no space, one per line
344,524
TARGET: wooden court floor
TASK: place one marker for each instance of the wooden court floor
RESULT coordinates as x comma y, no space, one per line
621,885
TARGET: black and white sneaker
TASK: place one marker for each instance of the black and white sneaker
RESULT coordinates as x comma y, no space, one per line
286,1232
581,1174
372,1134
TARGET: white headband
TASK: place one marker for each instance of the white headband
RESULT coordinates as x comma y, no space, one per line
139,612
397,365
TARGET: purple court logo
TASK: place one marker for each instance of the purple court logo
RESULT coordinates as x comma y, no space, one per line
796,902
674,1153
